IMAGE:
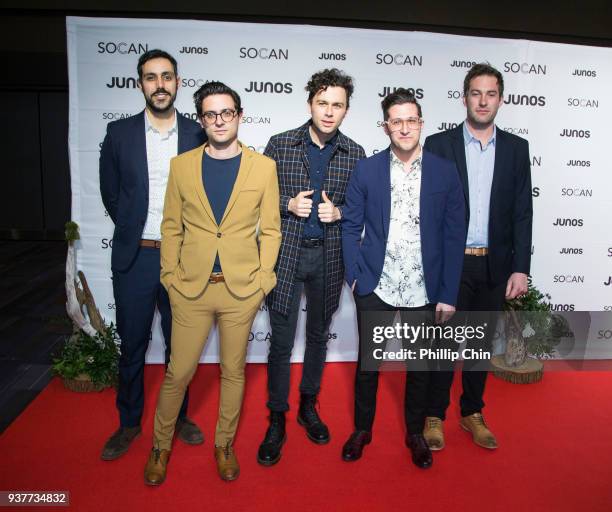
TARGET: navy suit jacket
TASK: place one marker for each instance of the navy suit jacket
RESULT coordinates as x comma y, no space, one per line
442,225
124,179
510,210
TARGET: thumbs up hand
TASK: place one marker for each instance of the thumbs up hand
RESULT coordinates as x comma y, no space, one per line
327,211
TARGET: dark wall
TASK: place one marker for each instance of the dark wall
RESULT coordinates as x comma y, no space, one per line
35,198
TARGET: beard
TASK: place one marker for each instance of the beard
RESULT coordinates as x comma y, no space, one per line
160,107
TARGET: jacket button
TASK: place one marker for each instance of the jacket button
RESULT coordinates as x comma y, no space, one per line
218,235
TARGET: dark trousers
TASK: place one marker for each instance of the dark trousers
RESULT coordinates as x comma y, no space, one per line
476,293
137,292
366,378
310,277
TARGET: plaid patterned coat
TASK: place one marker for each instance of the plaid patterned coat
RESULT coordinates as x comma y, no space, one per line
289,151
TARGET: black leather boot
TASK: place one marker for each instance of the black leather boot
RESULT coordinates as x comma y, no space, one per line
270,449
308,417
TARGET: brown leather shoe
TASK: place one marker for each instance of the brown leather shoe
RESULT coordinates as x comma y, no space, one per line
481,434
188,432
434,433
119,442
155,470
227,463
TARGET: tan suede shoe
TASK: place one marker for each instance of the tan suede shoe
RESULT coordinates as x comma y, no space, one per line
227,463
155,470
481,435
434,433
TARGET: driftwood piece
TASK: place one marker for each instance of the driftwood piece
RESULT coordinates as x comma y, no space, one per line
73,292
95,318
516,348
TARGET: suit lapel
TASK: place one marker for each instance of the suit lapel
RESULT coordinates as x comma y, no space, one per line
199,184
385,182
500,158
459,150
140,142
246,162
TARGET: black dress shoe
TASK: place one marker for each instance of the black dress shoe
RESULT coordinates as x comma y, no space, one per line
188,432
269,452
119,442
421,454
353,448
308,417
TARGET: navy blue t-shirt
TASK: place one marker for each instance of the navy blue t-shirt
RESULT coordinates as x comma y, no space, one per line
318,158
218,177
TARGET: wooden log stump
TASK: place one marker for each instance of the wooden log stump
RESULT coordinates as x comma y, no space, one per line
529,372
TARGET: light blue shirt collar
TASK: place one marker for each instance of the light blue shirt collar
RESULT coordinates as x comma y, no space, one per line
469,138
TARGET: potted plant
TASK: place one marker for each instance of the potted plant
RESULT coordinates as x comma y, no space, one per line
90,357
532,332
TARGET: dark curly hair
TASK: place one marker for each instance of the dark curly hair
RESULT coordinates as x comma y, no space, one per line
483,68
321,80
210,88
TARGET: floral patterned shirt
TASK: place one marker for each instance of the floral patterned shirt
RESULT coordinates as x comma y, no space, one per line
402,282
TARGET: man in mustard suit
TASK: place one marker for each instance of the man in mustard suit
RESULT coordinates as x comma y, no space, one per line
220,240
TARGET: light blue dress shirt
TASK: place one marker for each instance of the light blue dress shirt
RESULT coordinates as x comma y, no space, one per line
480,164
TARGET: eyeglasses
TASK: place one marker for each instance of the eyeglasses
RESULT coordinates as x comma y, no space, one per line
226,115
398,123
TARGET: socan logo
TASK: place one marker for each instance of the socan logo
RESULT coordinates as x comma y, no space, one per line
190,115
399,59
256,120
454,95
259,336
332,56
516,131
525,100
106,243
387,89
582,103
577,192
462,64
535,192
111,116
568,222
264,53
609,252
447,126
536,161
122,82
575,134
585,72
122,48
270,87
571,250
525,68
568,278
194,50
579,163
604,334
193,82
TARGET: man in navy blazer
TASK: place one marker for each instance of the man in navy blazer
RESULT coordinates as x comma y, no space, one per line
411,205
134,165
494,168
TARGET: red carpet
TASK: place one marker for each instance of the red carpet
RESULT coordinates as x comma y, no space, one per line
555,449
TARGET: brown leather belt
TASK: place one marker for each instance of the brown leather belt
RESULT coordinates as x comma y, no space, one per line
216,277
154,244
476,251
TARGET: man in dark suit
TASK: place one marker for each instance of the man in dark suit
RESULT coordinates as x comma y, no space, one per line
134,165
314,163
494,168
409,260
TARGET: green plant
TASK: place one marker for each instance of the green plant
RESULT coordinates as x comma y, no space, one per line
545,327
96,356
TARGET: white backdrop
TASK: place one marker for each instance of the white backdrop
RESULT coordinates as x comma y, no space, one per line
552,91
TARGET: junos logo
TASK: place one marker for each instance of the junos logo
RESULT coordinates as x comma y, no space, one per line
525,100
194,50
579,163
576,134
332,56
462,63
562,307
571,250
568,222
418,93
122,82
447,126
585,72
270,87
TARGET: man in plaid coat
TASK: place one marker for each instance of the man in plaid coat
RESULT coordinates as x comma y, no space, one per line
314,163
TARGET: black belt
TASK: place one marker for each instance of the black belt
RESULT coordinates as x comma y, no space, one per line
312,242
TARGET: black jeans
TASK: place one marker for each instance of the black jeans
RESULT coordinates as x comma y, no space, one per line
476,293
366,380
310,277
138,292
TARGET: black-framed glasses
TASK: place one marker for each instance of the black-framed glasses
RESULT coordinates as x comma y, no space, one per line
397,123
227,115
